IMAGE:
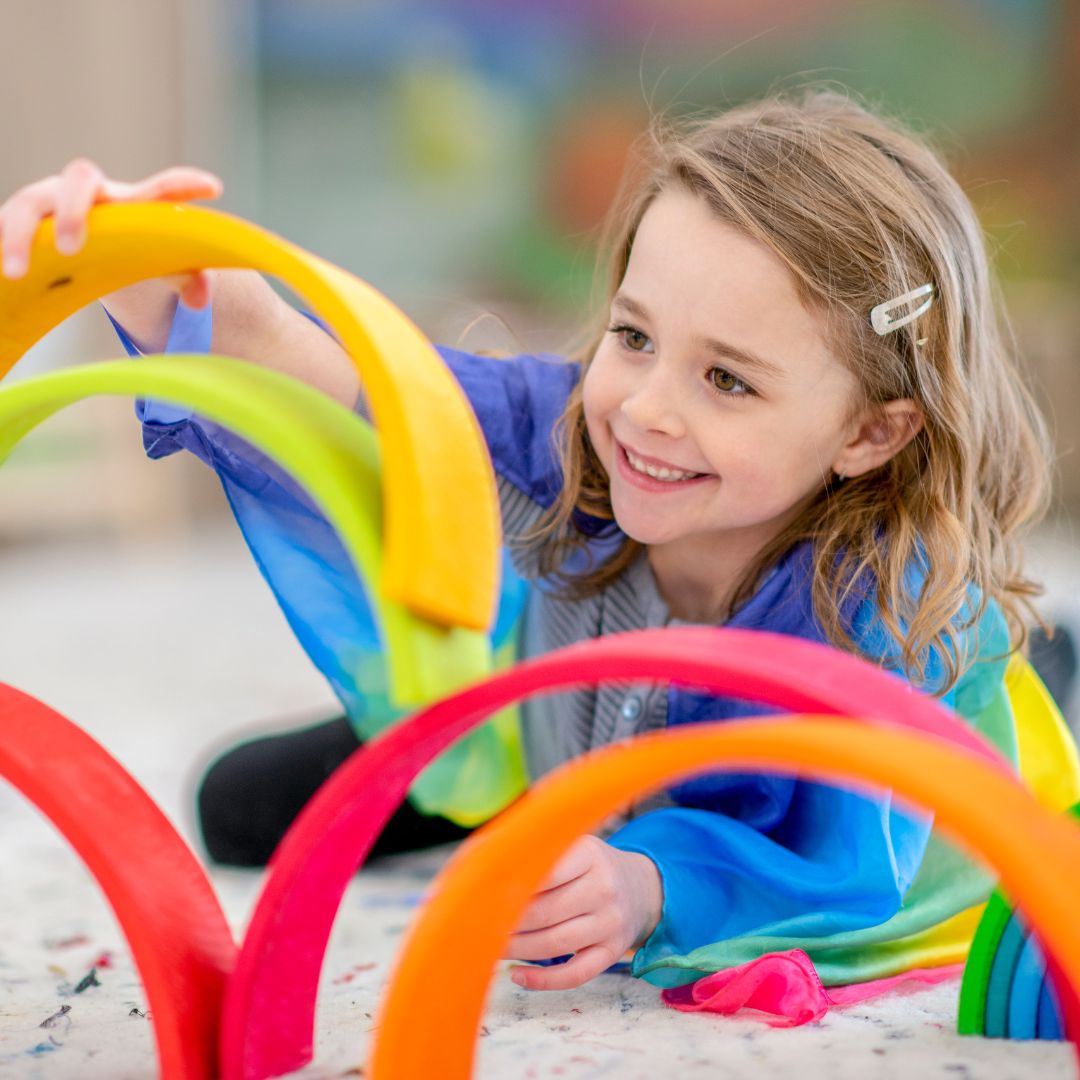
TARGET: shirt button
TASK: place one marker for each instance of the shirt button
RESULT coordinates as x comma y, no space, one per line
631,708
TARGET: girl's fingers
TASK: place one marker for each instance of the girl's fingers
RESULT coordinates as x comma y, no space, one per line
586,965
556,905
21,216
575,862
194,290
79,188
180,183
71,195
568,937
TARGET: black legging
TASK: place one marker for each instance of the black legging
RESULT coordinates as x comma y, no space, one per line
252,793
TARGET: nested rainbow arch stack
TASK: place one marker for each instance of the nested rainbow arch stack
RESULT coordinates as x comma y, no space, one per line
1007,992
428,551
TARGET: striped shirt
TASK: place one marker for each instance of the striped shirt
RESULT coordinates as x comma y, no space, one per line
558,727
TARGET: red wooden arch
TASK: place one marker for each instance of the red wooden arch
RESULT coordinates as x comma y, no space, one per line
269,1016
155,885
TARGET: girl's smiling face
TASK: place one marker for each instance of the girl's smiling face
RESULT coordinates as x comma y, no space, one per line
713,401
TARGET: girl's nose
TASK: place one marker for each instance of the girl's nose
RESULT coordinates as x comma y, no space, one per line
654,405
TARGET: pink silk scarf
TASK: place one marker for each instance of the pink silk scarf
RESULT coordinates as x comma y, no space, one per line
783,988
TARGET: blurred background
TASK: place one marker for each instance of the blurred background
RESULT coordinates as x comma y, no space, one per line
459,153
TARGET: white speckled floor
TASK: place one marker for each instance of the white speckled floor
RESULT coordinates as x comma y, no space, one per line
163,654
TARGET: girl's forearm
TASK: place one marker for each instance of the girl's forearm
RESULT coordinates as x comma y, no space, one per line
145,311
251,322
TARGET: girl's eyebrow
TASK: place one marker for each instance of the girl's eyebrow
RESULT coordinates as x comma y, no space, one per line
722,349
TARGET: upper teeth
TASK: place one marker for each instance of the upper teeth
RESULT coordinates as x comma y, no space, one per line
657,473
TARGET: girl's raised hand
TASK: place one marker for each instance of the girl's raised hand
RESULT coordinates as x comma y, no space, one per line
597,903
69,196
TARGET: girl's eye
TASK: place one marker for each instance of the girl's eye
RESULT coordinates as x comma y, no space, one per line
729,385
631,338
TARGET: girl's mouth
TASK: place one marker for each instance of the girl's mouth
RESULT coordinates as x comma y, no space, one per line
648,477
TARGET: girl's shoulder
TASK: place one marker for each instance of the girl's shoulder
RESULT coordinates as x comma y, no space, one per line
978,635
530,383
783,602
518,401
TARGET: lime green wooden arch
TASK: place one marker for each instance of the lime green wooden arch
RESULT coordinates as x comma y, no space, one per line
332,453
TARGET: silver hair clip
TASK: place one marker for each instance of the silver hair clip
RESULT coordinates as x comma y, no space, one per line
881,317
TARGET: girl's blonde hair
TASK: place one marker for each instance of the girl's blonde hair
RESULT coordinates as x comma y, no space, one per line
860,211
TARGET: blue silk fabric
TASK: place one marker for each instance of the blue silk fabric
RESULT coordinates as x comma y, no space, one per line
750,863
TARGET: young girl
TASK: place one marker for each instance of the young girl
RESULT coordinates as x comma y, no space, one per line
798,415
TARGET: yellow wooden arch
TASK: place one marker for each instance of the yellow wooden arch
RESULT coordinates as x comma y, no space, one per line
442,530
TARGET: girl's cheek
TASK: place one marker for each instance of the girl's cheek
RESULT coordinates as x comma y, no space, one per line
596,393
607,386
594,421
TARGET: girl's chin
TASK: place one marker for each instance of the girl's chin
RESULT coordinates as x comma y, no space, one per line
645,532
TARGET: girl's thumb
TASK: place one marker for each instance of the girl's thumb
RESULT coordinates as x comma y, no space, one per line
195,290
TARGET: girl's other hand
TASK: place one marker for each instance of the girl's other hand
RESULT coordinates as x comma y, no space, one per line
69,196
597,903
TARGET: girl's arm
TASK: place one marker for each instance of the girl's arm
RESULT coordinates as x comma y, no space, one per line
850,877
695,890
845,864
251,321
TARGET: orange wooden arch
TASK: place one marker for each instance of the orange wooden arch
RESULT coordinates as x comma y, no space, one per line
1036,852
269,1015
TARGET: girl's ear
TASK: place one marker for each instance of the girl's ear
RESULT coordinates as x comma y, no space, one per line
881,434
